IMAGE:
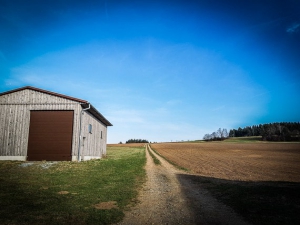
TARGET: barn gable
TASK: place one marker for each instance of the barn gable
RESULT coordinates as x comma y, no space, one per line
25,108
32,95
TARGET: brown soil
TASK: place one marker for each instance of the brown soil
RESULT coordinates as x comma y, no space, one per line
236,161
169,197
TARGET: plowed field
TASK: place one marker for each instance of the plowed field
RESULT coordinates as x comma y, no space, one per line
236,161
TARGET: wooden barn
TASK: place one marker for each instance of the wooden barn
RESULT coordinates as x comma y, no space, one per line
36,124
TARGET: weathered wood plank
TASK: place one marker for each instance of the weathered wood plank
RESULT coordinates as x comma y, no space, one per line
15,121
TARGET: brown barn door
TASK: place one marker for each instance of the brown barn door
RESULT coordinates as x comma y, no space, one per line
50,135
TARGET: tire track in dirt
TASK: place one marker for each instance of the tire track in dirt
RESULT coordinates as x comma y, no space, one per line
170,197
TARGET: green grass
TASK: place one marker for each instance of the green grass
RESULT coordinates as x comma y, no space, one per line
254,139
195,141
155,159
231,139
30,195
244,139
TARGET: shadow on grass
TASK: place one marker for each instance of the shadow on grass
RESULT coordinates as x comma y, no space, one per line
255,202
21,206
30,205
33,195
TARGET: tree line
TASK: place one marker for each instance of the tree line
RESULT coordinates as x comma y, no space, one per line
283,131
137,141
218,135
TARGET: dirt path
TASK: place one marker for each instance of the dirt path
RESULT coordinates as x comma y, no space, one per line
170,197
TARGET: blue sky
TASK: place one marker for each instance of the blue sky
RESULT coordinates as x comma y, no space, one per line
159,70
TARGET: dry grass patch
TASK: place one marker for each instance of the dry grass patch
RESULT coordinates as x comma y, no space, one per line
107,205
63,193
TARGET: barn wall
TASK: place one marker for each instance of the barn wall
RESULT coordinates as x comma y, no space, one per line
93,146
15,119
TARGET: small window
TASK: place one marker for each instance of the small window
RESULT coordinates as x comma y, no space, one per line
90,128
83,140
101,134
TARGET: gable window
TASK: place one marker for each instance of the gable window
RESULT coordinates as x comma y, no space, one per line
90,128
101,134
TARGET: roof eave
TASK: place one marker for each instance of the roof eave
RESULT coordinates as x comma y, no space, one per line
96,114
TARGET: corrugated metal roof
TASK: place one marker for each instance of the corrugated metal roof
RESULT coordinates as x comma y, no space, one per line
83,103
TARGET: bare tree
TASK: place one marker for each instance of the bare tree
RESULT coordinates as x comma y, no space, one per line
224,133
207,137
219,133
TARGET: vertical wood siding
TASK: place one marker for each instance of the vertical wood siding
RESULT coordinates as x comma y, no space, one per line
93,145
15,119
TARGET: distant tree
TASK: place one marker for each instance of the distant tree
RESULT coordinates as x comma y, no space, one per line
214,135
233,133
295,133
224,133
283,131
286,134
218,135
137,141
207,137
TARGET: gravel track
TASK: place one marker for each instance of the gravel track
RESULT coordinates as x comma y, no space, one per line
170,197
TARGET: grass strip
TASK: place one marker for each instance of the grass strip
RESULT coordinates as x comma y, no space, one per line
68,192
169,161
250,139
155,159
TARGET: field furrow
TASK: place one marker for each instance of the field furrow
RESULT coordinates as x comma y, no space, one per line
236,161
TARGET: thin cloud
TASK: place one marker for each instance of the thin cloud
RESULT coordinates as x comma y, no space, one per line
293,28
